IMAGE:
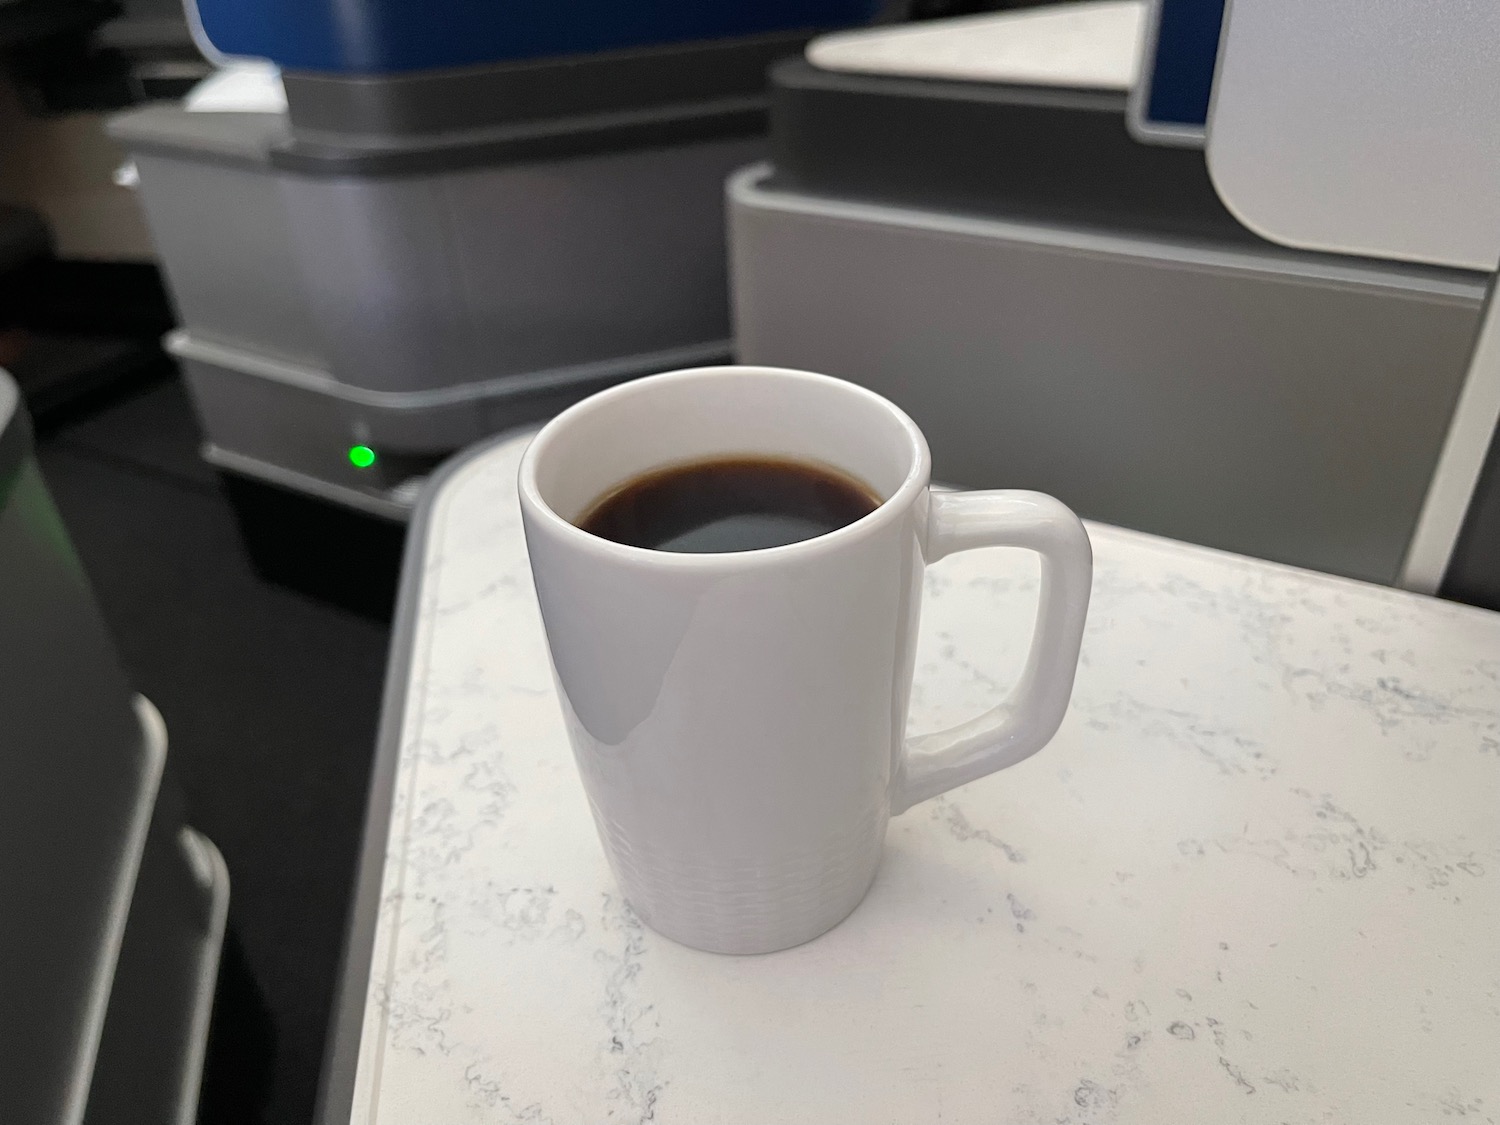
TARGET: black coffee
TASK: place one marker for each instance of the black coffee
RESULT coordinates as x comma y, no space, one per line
729,504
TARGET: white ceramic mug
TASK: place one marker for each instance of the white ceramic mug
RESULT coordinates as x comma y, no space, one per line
739,719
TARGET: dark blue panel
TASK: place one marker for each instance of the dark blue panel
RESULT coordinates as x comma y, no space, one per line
1187,47
384,36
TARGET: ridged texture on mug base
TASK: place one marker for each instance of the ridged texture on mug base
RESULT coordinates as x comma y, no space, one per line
747,908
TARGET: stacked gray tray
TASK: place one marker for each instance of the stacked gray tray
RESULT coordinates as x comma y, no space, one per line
408,263
114,909
1063,308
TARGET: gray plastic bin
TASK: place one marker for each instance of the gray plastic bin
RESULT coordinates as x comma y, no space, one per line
416,282
1249,397
455,262
1064,308
293,425
113,911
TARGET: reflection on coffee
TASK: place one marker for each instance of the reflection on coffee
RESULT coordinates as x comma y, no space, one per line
729,504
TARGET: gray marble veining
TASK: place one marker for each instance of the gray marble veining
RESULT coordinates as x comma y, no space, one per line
1255,878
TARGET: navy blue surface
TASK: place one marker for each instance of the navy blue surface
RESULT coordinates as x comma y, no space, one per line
387,36
1182,74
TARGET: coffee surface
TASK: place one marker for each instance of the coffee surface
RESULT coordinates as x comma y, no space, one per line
727,504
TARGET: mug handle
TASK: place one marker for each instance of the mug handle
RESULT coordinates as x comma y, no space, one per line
1027,718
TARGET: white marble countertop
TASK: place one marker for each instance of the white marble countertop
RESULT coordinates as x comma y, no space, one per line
1255,878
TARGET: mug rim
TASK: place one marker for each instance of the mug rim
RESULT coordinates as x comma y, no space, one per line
915,482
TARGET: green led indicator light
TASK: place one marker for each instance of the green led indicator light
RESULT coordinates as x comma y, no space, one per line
361,456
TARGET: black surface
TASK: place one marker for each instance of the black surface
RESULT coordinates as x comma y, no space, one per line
67,56
1014,152
88,329
48,51
145,427
242,1066
24,237
270,700
1474,571
25,249
61,375
324,550
28,22
72,297
127,299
